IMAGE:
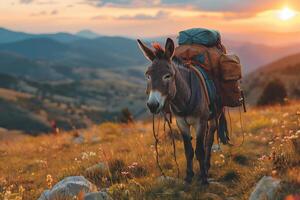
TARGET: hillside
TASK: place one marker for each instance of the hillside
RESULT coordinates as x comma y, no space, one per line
75,103
103,52
286,69
119,159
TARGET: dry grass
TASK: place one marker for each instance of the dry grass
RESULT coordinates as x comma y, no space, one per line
127,160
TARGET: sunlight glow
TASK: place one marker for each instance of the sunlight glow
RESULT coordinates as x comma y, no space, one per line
286,14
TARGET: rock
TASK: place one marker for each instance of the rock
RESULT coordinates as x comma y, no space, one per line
45,195
210,196
68,188
78,140
100,169
266,188
216,186
97,196
168,179
216,148
95,139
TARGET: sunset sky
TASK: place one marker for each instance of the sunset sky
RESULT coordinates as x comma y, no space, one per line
150,18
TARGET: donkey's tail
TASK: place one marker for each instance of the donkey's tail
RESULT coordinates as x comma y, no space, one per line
223,133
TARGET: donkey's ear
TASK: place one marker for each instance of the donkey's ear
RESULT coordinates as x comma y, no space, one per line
148,53
169,48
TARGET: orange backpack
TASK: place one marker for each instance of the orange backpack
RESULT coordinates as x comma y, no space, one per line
224,69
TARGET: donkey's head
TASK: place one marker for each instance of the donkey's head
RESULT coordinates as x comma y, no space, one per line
160,75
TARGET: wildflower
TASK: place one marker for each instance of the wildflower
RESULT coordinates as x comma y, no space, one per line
124,173
49,181
21,189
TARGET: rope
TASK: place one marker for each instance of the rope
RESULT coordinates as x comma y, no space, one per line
156,146
242,126
174,144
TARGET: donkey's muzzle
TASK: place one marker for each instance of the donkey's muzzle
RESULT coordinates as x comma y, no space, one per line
153,107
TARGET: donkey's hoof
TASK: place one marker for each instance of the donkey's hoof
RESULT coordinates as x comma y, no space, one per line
188,179
204,182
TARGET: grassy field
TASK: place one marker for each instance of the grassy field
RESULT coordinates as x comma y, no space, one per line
271,147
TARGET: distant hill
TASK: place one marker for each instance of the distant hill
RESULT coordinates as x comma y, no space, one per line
254,55
103,52
286,69
8,36
87,34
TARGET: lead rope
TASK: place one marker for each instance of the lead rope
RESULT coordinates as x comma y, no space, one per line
173,143
156,146
241,125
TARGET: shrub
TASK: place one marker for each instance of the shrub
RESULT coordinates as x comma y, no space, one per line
273,93
126,116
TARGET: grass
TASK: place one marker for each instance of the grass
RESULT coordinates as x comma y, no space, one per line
122,158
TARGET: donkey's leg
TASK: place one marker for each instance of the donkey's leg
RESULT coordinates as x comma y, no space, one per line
188,147
209,140
201,129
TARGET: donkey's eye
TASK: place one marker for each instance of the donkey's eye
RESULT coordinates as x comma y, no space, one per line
148,77
167,77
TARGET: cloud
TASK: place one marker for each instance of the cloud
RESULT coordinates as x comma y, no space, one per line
26,1
227,6
54,12
159,15
100,17
122,3
44,13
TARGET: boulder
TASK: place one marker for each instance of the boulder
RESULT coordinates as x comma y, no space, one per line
68,188
97,196
266,188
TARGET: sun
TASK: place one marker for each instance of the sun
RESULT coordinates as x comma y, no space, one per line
286,13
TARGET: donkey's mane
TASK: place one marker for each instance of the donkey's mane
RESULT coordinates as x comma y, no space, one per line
158,50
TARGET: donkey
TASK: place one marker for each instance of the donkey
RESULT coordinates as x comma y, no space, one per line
169,82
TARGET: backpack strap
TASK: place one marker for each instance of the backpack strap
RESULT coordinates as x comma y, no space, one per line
202,82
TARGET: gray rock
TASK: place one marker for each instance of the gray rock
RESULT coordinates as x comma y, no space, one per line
97,196
68,188
266,188
45,195
78,140
100,169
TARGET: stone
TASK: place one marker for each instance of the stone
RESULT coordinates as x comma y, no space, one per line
97,196
68,188
100,169
168,179
216,186
45,195
210,196
266,188
79,139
